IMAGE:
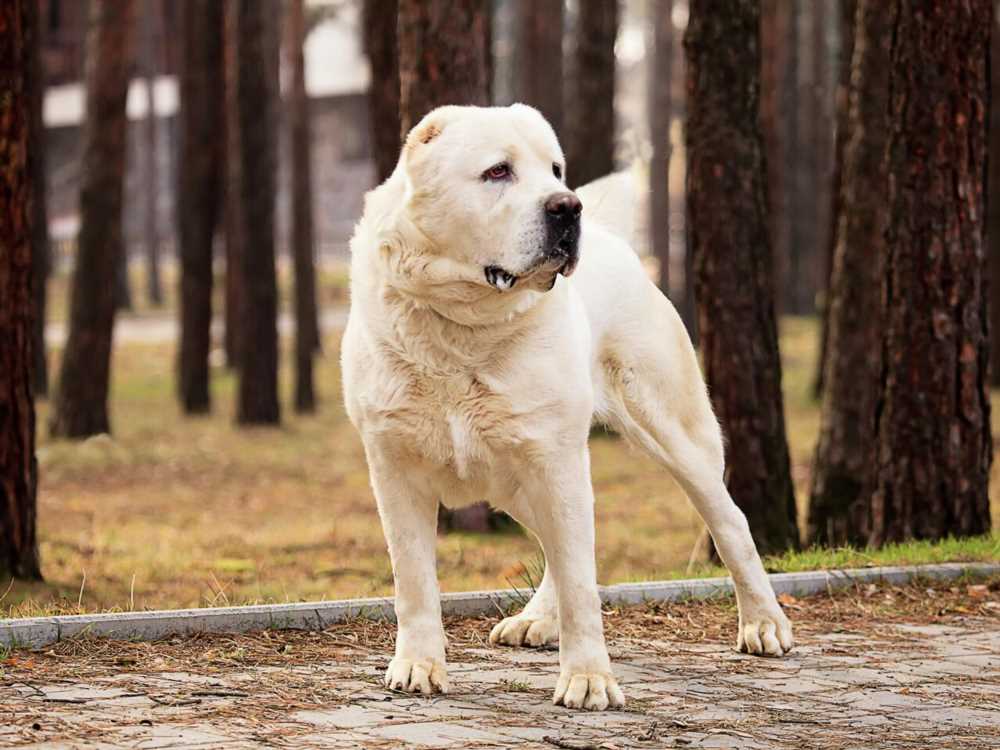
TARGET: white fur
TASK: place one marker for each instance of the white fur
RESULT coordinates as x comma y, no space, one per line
462,391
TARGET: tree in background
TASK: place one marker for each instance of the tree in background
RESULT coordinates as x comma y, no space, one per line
307,338
151,23
442,56
809,158
590,151
848,9
199,183
40,251
993,195
777,43
18,466
539,60
659,130
842,466
379,24
233,211
932,408
81,407
256,90
727,233
443,49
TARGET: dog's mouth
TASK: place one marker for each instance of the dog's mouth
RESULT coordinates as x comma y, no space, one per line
561,260
499,278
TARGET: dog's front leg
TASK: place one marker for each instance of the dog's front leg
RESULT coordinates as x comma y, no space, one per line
562,502
409,522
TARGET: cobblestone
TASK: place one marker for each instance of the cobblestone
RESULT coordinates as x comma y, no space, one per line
901,685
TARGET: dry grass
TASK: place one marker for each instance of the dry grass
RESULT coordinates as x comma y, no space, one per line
178,512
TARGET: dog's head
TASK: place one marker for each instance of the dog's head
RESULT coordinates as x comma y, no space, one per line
486,186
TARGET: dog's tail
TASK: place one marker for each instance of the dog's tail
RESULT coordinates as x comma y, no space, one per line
619,203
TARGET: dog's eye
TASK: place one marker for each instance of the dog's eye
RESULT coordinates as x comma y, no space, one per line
497,172
557,171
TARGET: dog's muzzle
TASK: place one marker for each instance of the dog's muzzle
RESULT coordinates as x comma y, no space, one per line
562,223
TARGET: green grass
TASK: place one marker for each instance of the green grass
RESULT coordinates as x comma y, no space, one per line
969,549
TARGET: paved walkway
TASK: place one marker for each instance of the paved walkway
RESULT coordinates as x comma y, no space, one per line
883,685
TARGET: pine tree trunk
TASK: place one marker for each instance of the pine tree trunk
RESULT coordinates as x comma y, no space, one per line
123,284
199,185
81,407
842,467
793,292
40,252
442,56
659,129
255,94
539,60
933,409
150,24
734,281
774,34
231,193
299,132
590,152
993,196
18,466
442,60
848,9
379,24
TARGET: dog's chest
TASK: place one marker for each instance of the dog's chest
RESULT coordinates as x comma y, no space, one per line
455,421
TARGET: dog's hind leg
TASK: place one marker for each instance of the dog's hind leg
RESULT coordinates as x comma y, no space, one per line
537,625
653,393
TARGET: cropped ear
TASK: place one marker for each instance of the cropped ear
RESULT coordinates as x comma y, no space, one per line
430,127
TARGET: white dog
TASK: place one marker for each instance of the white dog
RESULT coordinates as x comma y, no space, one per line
473,368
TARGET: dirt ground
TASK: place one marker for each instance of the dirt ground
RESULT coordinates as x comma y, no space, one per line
910,667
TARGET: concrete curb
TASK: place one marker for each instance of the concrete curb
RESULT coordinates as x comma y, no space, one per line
35,632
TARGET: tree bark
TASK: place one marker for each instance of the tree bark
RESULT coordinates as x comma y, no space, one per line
590,151
81,408
18,466
40,251
443,60
814,138
150,28
255,94
659,129
933,409
848,9
442,56
774,90
793,294
300,138
379,24
993,196
839,501
539,59
199,183
231,193
779,122
734,281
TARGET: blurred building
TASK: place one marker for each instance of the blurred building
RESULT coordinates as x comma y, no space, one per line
336,82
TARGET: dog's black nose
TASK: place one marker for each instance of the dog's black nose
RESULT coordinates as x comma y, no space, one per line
563,206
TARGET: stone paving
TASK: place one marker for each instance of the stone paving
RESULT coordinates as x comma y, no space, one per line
901,685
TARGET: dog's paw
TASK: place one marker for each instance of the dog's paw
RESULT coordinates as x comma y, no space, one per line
424,676
765,633
593,691
526,630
